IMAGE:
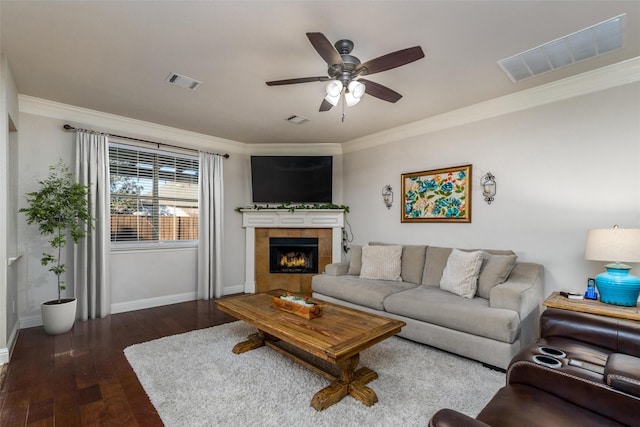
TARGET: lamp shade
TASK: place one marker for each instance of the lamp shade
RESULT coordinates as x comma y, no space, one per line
350,99
613,244
334,88
356,88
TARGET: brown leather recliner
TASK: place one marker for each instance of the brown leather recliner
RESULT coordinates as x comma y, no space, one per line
583,371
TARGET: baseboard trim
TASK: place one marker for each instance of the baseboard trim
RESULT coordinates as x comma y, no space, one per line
123,307
5,352
141,304
230,290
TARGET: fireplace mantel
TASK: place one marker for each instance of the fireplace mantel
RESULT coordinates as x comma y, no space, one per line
283,218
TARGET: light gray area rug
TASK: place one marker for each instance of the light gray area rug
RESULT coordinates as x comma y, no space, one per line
194,379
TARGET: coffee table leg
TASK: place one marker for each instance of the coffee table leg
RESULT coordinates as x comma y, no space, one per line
351,382
359,391
255,340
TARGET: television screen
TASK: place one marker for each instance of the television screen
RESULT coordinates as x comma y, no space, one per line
292,179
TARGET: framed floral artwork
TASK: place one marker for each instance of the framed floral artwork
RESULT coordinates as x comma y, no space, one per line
440,195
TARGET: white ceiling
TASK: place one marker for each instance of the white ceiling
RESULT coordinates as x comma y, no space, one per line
114,57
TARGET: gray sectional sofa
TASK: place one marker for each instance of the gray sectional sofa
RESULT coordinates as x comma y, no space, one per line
489,325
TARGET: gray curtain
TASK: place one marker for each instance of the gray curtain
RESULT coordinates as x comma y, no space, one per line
91,255
210,193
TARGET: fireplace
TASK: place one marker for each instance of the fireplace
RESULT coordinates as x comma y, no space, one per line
262,224
293,255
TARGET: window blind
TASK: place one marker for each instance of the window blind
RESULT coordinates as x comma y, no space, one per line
154,195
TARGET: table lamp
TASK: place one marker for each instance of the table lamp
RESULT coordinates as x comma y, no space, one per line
616,285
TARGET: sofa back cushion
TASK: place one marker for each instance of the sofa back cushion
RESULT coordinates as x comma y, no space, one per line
355,260
435,261
495,270
413,258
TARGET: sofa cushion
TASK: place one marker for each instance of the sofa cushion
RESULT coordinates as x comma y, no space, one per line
495,270
460,275
413,257
364,292
381,263
355,261
439,307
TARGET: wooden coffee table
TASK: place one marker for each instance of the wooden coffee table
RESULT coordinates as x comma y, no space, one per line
330,344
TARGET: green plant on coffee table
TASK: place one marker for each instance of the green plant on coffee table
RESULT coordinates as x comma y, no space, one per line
60,208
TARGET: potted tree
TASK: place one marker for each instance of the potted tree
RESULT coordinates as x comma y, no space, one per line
60,208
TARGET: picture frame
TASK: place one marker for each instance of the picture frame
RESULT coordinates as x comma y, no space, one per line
438,195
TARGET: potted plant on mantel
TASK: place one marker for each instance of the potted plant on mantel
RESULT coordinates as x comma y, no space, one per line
60,209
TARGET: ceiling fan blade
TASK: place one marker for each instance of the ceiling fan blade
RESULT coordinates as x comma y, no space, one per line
390,60
380,91
299,80
324,47
325,106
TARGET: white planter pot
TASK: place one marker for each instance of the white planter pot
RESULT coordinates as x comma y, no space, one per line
59,318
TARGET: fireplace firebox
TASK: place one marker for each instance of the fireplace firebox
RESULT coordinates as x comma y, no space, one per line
293,255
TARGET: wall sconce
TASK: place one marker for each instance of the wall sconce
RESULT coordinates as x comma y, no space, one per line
387,196
488,185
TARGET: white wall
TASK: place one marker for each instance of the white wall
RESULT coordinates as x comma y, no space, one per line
560,168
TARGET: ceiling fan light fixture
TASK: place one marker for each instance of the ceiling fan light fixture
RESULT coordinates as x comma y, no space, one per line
356,89
334,89
333,100
350,99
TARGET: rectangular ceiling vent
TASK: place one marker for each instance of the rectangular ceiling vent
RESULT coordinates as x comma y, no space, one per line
183,81
298,120
593,41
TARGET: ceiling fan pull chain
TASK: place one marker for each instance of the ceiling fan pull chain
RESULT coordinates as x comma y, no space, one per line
343,102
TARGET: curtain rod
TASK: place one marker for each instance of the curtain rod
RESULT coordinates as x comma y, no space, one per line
69,127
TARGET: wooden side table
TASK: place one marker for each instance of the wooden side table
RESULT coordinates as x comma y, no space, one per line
556,300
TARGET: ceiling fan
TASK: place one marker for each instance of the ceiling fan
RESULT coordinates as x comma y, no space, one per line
345,71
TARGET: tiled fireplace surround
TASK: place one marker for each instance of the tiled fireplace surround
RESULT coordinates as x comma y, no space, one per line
260,225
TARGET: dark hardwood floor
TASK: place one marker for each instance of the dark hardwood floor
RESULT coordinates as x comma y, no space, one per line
82,378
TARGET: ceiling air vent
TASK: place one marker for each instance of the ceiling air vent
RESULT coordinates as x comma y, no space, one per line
298,120
593,41
183,81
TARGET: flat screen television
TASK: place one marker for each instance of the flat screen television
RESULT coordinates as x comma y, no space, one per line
292,179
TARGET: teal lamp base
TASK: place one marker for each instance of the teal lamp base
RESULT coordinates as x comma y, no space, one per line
617,286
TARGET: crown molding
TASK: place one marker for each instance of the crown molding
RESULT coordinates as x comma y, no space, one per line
618,74
327,149
111,123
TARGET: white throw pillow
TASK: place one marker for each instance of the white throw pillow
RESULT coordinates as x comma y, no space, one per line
381,263
460,275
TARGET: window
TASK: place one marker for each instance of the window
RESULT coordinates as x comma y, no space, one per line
154,195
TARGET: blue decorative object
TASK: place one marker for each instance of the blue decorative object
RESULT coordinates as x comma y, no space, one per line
617,286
